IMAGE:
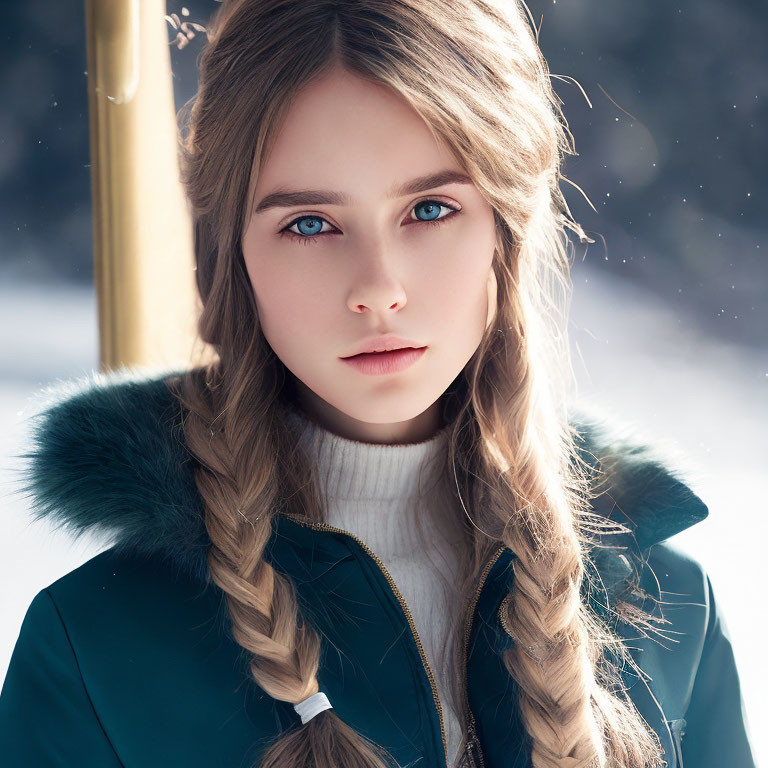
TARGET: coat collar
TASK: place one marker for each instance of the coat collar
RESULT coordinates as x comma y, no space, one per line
107,455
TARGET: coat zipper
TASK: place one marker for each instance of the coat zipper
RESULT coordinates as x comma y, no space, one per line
473,755
472,741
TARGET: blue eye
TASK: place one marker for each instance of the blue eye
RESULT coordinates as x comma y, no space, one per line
312,225
432,206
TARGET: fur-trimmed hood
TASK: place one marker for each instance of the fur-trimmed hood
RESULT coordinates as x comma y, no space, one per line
107,455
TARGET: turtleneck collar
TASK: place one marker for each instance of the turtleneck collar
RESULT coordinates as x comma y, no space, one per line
352,469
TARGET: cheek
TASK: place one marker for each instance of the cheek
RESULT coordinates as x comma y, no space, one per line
290,306
287,307
459,271
270,290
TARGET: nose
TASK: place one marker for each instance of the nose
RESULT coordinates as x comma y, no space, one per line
377,289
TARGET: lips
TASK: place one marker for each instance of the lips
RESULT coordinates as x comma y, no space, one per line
379,363
379,354
385,343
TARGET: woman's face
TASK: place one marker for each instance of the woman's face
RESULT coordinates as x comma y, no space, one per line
377,264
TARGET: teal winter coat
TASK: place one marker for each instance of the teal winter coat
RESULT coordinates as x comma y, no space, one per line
128,661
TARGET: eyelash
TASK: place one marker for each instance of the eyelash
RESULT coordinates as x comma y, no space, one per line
309,239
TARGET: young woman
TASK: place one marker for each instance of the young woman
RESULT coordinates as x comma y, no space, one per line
332,553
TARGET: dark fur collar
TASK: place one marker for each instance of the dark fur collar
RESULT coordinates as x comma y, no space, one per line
108,455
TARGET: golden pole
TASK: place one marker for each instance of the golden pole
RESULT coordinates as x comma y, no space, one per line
142,231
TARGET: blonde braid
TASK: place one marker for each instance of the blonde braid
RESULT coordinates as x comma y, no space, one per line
238,489
564,701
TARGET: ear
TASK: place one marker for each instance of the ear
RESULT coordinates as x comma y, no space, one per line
492,297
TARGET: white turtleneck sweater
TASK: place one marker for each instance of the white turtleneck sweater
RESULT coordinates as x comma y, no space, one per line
375,491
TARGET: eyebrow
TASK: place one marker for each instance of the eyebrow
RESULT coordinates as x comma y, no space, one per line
290,198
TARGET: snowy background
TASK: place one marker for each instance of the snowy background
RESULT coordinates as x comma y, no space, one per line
669,312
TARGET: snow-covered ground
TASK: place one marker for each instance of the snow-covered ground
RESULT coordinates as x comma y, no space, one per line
632,354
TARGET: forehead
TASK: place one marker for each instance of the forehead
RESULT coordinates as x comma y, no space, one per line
345,133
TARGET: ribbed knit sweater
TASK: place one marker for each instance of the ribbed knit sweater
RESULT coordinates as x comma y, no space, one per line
376,491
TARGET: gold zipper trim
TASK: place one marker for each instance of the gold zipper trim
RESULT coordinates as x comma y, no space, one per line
469,717
503,616
406,610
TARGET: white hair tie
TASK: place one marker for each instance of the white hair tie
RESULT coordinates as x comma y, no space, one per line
311,706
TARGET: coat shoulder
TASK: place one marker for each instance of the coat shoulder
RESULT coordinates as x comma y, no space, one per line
115,577
697,678
674,565
133,595
680,583
91,573
122,645
677,594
